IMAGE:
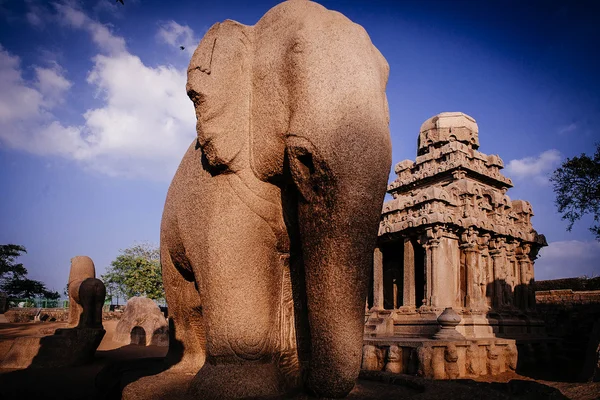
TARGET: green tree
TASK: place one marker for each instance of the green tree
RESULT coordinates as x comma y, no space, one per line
9,268
135,272
577,187
13,276
23,288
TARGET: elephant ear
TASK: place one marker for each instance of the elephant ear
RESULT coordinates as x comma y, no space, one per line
202,57
219,85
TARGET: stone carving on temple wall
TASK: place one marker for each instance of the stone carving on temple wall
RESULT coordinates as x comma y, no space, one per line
373,358
394,360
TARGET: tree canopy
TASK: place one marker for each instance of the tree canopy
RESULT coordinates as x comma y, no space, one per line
8,265
13,276
577,187
135,272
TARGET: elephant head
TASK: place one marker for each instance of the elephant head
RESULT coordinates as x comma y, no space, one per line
299,100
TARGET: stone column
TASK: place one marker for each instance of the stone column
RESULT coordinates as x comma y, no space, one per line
431,243
526,275
497,253
523,295
409,292
512,274
471,250
486,272
377,279
428,267
472,295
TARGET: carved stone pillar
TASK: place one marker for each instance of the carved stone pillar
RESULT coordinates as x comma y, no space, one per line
522,290
470,248
512,275
377,279
486,272
498,261
431,242
409,293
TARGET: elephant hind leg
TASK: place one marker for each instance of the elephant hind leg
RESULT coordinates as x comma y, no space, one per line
187,340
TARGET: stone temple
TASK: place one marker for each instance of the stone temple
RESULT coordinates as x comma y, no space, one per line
452,238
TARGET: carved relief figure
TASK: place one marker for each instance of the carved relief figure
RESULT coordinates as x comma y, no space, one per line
291,160
493,360
451,358
372,358
394,360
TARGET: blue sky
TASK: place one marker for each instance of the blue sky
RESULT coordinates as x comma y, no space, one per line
94,117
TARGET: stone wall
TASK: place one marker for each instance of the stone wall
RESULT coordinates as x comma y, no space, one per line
567,297
573,316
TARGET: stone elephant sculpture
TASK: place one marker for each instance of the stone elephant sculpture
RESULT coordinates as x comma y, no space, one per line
271,220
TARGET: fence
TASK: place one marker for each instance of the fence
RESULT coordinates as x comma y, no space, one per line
42,303
38,303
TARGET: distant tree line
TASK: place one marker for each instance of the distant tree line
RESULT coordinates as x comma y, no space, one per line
135,272
575,284
13,276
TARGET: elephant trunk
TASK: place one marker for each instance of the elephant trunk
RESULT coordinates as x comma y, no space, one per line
337,263
338,213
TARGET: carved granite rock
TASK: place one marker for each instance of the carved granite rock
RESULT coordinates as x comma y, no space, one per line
142,323
71,346
270,222
394,360
86,294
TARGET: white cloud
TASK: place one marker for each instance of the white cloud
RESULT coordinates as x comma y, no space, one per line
534,168
51,83
566,259
26,120
18,101
101,35
142,128
178,35
568,128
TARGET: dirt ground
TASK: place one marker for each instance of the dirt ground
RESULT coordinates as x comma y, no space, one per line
83,382
10,331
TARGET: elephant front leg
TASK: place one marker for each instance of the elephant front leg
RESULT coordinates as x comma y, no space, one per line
186,330
239,273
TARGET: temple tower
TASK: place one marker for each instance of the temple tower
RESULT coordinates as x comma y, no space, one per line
451,237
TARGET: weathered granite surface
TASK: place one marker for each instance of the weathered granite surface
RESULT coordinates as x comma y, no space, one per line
86,294
270,222
66,347
71,346
142,323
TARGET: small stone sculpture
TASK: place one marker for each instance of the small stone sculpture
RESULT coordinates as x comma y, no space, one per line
372,358
473,360
511,357
451,358
494,363
394,360
142,323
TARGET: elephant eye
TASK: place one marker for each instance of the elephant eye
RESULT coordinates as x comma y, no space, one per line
307,163
196,97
